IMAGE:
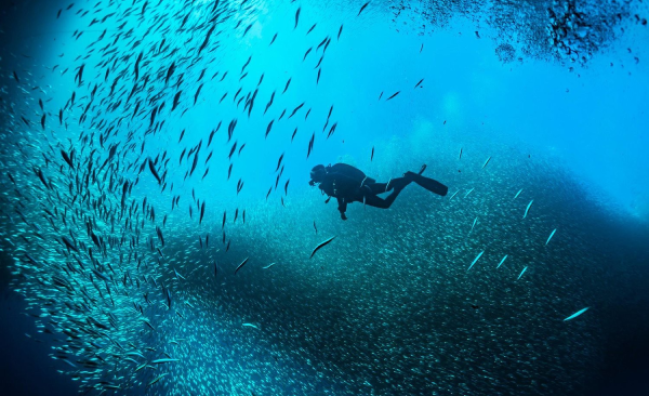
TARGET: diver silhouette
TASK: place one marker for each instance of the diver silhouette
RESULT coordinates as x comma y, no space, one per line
348,184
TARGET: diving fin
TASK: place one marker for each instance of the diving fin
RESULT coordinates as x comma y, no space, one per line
429,184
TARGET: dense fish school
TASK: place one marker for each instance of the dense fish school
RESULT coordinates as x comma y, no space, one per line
160,264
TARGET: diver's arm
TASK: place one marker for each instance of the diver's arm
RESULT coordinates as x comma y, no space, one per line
342,208
343,186
344,189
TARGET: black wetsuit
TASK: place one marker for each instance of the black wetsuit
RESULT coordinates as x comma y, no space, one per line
348,184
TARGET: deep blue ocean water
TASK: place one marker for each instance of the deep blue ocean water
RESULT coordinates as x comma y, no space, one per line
533,114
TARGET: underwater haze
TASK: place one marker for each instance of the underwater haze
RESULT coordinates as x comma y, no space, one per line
162,231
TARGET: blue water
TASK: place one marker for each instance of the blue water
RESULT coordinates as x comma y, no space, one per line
386,308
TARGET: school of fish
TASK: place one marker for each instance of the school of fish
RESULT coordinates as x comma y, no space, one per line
146,286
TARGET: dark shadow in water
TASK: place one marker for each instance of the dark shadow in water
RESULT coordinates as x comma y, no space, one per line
25,367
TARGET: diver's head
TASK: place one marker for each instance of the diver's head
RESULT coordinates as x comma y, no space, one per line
317,174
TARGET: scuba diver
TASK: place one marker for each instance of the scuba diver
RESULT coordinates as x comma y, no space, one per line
348,184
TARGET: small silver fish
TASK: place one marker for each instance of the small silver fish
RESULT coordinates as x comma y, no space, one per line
527,210
581,311
550,237
475,260
502,261
522,272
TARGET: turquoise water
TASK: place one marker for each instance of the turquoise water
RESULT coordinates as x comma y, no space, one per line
159,229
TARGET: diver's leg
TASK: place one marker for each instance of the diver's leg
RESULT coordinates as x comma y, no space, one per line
429,184
397,183
377,202
390,198
374,201
375,188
